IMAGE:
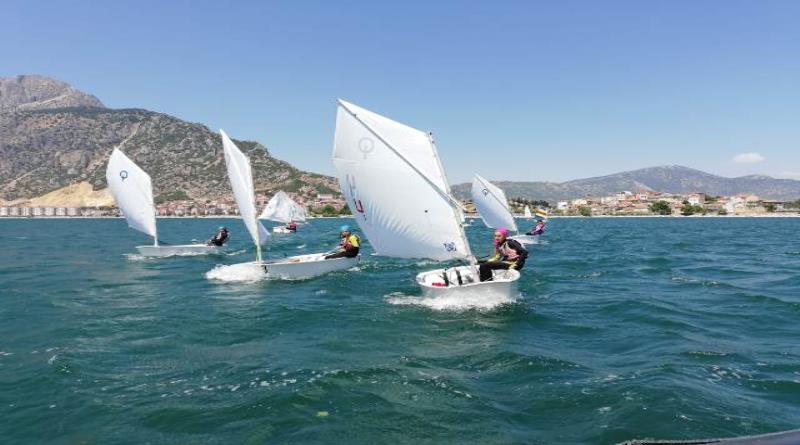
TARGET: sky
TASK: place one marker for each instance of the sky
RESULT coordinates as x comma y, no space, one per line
524,91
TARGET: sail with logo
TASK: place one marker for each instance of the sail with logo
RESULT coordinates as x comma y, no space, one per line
133,192
397,190
293,267
492,205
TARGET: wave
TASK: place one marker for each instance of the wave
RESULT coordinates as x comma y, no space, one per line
242,272
461,302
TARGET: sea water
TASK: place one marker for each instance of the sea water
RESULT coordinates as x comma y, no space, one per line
633,327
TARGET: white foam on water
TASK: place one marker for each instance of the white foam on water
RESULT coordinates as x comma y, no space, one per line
136,257
242,272
301,246
461,302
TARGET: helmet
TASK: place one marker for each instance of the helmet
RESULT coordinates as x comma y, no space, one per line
344,228
223,228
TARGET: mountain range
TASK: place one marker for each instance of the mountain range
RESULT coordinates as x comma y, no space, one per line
669,179
55,142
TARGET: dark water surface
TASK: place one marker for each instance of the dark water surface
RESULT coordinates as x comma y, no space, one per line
668,328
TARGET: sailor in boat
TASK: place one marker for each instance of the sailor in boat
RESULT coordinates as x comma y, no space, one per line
538,229
348,246
220,238
292,227
508,254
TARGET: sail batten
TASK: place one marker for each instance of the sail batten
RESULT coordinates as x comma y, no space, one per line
241,178
395,187
133,192
492,205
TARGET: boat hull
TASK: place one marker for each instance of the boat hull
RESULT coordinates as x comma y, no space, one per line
504,284
280,229
186,249
306,266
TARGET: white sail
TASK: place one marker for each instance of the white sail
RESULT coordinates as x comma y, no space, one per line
133,193
491,204
283,209
396,188
241,178
299,214
528,212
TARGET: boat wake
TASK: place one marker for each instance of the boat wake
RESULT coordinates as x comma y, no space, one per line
136,257
242,272
462,302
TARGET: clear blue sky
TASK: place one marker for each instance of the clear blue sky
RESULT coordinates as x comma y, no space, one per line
512,90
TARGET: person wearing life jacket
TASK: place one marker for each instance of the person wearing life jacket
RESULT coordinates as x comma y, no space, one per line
348,246
220,238
508,254
292,226
538,229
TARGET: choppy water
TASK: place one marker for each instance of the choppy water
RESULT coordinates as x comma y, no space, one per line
669,328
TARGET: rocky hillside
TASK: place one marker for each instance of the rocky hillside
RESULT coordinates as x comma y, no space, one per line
670,179
39,92
43,149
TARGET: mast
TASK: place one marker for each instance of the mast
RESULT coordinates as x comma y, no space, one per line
155,225
459,216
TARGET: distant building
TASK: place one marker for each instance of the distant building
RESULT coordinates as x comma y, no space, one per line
3,211
696,199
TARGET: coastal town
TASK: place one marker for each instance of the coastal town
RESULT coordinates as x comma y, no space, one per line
323,204
624,203
650,203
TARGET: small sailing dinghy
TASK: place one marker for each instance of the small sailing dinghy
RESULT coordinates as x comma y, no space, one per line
492,206
133,193
294,267
527,213
396,188
283,209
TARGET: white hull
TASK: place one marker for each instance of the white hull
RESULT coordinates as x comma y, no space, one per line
187,249
306,266
280,229
527,239
504,284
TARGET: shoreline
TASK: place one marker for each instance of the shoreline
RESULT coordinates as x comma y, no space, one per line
771,215
157,217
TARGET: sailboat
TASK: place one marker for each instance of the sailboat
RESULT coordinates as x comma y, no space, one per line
283,209
492,206
527,213
294,267
396,188
133,193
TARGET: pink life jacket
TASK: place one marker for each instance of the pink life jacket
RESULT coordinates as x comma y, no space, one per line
507,252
